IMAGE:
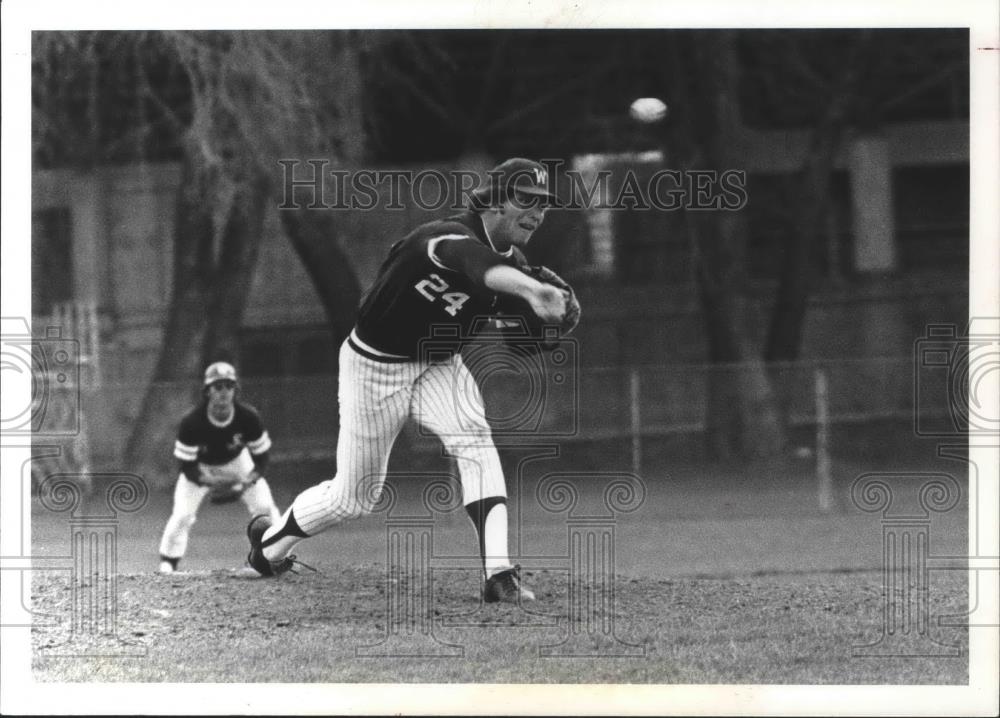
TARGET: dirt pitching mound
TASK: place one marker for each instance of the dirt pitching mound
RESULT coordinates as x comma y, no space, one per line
364,624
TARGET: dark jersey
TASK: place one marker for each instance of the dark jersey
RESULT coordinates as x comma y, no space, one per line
430,292
200,440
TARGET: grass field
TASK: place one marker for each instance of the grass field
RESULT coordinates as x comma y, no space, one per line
223,626
718,578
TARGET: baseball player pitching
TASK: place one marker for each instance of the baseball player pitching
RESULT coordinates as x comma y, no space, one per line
446,273
223,447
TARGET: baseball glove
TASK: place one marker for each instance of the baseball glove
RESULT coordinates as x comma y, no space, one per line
572,316
226,493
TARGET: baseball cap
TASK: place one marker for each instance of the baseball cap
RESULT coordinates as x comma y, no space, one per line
219,371
516,175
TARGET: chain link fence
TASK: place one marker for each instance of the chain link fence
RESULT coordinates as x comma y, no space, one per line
536,400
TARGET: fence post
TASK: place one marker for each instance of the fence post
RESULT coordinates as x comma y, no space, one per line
636,421
824,478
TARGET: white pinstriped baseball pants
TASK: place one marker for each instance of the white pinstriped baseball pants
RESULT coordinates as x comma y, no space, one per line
375,400
188,497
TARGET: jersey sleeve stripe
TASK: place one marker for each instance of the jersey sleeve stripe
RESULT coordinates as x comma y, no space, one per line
185,452
259,446
433,243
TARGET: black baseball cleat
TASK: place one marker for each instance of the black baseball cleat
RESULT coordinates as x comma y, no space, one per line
506,586
258,562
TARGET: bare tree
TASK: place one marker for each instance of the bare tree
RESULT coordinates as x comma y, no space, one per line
831,84
811,192
258,98
741,413
232,103
342,139
473,84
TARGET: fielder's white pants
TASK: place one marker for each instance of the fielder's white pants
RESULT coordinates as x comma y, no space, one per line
376,398
188,497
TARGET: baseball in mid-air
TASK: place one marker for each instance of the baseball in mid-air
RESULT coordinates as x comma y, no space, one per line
648,109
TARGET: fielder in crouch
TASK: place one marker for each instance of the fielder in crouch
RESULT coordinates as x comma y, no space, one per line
222,446
444,273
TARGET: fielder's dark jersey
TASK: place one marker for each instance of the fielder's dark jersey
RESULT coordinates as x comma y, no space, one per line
431,287
206,443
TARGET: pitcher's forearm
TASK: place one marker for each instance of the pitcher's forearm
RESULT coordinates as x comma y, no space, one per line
508,280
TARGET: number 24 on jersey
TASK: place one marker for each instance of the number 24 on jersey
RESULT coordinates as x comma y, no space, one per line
435,287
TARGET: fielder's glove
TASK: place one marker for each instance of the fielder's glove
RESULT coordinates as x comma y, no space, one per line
572,316
229,492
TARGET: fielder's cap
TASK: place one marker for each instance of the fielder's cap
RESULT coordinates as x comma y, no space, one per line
219,371
516,176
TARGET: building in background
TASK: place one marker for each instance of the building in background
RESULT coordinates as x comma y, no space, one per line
894,255
106,237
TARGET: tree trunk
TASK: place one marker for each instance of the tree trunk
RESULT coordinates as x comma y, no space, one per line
205,312
313,235
811,198
241,240
812,202
797,274
742,417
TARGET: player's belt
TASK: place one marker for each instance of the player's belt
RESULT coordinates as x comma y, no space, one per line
371,353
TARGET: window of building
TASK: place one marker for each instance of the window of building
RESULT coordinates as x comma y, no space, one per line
932,217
